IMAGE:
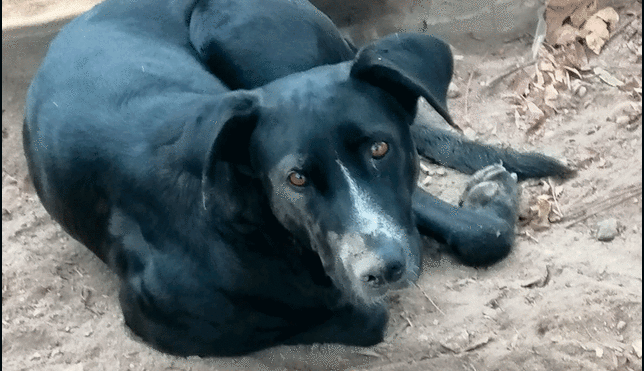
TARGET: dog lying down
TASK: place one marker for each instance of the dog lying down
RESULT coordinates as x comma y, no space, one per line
250,177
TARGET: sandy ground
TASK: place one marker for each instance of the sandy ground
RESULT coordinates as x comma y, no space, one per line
561,301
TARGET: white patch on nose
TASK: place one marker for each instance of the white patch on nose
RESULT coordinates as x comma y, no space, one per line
367,216
353,251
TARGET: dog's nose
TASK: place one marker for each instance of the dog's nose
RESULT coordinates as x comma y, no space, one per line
382,274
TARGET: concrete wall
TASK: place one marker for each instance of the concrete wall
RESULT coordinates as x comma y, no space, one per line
364,20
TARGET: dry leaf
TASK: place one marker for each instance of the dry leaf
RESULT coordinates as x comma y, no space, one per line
523,87
546,66
597,28
607,77
565,35
596,34
518,121
560,11
576,57
540,80
610,16
573,70
551,77
560,76
550,95
533,109
542,208
637,347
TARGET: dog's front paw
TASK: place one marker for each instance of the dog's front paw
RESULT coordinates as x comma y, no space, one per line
492,189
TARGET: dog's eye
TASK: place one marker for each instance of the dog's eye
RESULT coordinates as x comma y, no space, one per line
379,149
297,179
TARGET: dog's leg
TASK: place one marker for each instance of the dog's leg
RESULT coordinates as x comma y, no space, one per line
455,151
481,229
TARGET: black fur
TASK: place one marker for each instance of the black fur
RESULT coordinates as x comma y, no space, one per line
248,175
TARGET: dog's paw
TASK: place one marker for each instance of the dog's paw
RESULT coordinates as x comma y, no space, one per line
493,189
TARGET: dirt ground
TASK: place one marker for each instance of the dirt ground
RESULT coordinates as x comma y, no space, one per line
563,300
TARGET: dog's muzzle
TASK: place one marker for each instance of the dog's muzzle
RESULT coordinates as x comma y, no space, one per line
376,264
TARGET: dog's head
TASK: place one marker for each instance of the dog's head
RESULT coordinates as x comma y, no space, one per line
333,152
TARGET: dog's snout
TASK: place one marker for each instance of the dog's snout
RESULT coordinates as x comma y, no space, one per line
387,272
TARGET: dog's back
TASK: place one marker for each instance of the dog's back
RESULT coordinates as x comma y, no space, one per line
121,80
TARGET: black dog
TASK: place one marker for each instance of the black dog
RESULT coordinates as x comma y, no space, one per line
248,175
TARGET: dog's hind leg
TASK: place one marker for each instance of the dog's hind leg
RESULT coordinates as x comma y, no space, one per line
480,230
455,151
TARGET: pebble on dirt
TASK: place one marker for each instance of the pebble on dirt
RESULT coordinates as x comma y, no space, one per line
607,230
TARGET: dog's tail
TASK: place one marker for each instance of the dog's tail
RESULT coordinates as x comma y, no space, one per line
457,152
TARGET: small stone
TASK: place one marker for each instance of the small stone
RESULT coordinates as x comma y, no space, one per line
599,352
582,91
622,120
453,91
470,133
621,325
607,229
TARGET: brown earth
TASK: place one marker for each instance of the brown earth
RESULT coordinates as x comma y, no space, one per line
561,301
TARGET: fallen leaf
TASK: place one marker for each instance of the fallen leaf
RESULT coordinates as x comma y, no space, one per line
518,121
566,35
607,77
550,95
597,28
576,57
542,207
458,342
477,343
559,12
534,110
573,70
560,76
538,281
540,79
608,15
546,66
637,347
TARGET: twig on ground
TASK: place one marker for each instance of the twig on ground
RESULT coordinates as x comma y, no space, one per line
467,96
490,84
430,300
605,204
554,198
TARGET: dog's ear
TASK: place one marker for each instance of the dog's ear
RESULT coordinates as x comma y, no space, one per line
228,159
408,66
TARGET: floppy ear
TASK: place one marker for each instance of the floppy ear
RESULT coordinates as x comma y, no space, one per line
228,159
408,66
